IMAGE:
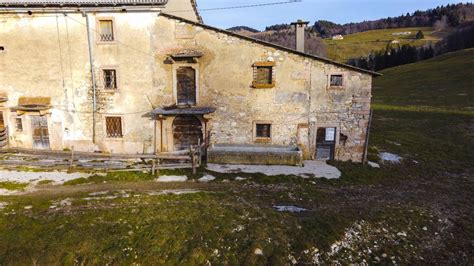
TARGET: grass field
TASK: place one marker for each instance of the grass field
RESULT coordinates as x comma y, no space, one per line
417,212
361,44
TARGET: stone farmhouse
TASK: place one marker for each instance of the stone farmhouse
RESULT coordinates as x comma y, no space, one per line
147,76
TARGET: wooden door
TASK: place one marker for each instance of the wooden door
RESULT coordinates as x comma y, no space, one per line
186,86
40,132
187,131
2,121
325,143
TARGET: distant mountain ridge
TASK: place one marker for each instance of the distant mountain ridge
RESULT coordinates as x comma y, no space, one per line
450,15
244,30
442,18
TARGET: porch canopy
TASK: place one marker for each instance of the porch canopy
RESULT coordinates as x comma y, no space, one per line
183,110
33,104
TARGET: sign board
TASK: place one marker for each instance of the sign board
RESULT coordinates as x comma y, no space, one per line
330,134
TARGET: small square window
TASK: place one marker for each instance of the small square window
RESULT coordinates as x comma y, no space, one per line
113,126
264,75
19,124
336,81
106,30
110,79
263,131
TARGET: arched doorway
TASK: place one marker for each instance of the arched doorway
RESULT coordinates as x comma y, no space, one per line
187,130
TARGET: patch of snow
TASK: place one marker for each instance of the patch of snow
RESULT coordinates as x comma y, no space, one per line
173,191
3,205
240,178
6,192
289,208
29,207
100,198
374,165
207,178
34,177
99,193
390,157
316,168
172,178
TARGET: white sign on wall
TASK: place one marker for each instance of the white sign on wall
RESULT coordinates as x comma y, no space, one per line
330,134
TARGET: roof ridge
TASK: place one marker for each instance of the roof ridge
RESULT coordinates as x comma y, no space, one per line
276,46
33,3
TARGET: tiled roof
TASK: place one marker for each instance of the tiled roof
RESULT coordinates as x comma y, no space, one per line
55,3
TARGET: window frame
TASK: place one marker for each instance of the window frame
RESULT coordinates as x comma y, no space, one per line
258,139
343,75
121,124
266,64
19,121
102,79
194,66
98,30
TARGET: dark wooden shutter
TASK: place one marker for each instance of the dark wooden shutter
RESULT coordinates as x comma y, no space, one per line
186,85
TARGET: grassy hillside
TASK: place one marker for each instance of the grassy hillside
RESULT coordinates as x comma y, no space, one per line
442,83
361,44
426,111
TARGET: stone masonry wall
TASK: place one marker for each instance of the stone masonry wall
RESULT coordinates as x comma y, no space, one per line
47,56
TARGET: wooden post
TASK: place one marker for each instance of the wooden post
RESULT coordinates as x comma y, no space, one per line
153,167
193,160
71,163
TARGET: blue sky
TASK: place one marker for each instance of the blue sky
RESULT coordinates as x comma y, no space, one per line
340,11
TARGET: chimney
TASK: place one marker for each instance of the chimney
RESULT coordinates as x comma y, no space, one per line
300,27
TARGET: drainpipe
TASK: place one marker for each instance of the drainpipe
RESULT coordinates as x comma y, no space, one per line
94,89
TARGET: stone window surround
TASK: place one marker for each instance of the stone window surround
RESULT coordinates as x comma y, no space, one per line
117,78
254,130
97,30
177,65
122,120
343,80
263,64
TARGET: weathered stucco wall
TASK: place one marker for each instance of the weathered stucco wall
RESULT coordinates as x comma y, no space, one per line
183,8
48,56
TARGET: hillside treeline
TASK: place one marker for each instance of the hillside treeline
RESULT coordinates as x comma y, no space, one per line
439,17
461,38
313,43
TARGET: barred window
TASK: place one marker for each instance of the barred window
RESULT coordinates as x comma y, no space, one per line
106,30
263,131
110,79
19,124
264,76
336,81
114,126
